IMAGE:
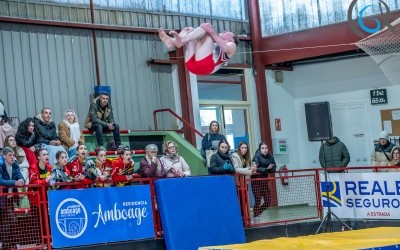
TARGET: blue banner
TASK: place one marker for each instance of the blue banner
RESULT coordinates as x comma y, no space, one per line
100,215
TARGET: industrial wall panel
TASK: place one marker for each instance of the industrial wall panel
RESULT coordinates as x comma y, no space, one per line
54,67
150,18
137,88
45,67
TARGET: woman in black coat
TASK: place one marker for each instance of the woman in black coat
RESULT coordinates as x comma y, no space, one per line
265,163
220,162
27,137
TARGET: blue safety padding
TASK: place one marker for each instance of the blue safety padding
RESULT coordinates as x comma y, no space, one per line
397,246
201,211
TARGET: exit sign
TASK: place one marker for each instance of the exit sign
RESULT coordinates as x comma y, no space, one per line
378,96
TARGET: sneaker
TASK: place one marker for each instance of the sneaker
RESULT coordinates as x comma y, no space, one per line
122,147
251,219
111,146
102,148
255,220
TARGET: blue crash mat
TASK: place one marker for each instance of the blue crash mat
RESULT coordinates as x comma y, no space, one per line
201,211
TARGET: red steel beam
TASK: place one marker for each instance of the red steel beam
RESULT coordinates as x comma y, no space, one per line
325,40
186,95
91,26
259,72
78,25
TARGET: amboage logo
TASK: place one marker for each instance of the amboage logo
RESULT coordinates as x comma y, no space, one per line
71,218
358,23
333,189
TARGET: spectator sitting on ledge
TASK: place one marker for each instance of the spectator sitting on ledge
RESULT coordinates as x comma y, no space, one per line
101,119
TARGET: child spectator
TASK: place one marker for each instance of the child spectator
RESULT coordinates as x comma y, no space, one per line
40,172
123,168
77,167
59,169
103,167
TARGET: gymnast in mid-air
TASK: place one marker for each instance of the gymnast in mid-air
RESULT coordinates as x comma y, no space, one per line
205,50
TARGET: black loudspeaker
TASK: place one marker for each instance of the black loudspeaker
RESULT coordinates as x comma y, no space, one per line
319,123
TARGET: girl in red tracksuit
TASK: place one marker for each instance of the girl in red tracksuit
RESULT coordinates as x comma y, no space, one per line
75,167
103,167
40,171
123,168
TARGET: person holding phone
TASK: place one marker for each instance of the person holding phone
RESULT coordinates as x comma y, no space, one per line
265,164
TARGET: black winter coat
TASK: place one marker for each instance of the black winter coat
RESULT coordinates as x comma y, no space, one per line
26,140
47,131
217,162
262,162
333,153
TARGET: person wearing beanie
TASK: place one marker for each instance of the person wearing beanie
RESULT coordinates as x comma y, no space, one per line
382,153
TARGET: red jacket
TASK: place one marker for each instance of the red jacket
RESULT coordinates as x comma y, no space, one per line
104,169
34,174
120,171
74,168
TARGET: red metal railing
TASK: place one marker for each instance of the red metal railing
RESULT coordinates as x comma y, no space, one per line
177,117
38,199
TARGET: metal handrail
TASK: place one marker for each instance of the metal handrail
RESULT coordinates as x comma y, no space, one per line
177,117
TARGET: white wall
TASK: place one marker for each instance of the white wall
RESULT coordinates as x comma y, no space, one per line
282,106
228,94
340,82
